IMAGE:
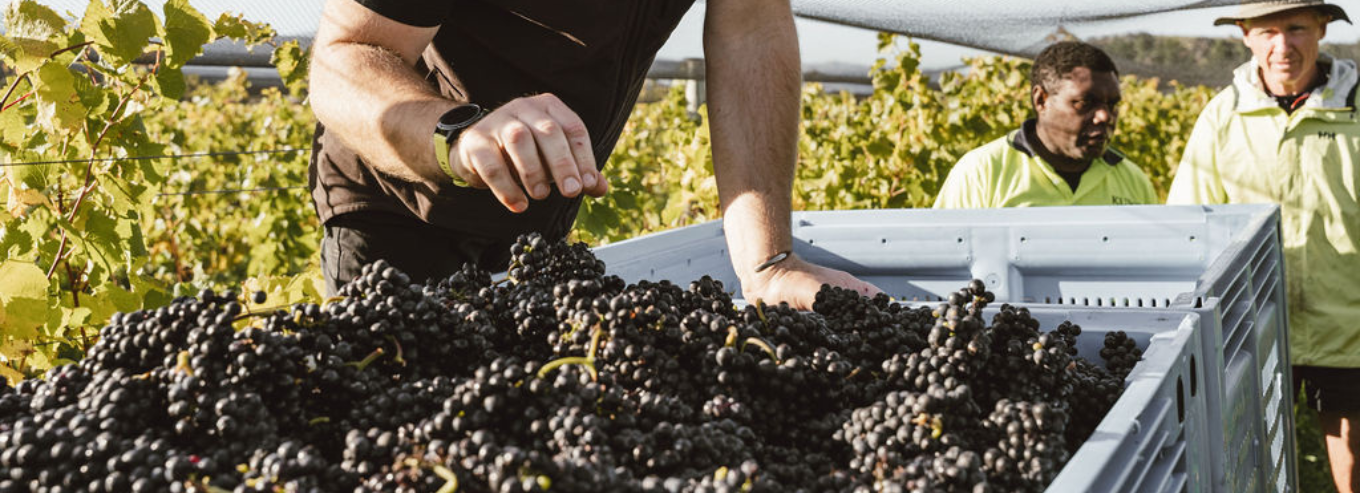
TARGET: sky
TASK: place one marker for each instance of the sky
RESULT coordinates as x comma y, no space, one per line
821,42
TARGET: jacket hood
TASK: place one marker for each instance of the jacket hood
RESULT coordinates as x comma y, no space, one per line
1334,95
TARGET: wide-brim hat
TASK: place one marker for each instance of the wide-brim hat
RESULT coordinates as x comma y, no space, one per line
1252,10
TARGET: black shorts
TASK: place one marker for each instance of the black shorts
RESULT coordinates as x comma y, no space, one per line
1329,389
417,248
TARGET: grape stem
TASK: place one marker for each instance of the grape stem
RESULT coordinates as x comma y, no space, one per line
399,359
570,360
765,346
182,363
263,311
594,343
368,360
450,479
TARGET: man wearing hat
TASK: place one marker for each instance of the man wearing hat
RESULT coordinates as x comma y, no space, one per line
1286,131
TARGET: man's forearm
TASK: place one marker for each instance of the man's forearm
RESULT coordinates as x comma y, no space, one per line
379,107
754,78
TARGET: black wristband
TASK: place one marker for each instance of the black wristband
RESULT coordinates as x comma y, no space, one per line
777,258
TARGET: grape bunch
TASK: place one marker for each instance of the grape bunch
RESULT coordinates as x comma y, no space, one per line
1120,353
560,377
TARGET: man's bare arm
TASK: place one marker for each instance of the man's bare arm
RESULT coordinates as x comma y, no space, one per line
755,79
365,89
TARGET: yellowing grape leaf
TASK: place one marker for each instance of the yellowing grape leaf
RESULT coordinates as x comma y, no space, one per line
29,29
19,194
75,317
14,353
23,292
186,31
291,61
13,129
59,107
121,30
234,27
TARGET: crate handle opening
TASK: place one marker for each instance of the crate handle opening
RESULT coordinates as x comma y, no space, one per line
1180,400
1194,377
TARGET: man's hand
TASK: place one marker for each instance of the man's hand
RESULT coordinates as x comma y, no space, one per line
797,282
528,145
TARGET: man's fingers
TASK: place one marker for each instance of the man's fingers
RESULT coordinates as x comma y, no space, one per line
550,136
582,152
527,146
487,163
521,147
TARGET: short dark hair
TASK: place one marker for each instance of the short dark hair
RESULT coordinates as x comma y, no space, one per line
1060,58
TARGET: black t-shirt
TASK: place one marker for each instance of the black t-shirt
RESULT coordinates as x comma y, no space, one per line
592,54
1073,178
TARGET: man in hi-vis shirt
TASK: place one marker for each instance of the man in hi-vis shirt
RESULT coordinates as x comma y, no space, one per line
1286,132
1060,157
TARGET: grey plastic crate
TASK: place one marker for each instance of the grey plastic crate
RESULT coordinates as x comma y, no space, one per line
1134,256
1243,296
1221,262
1155,438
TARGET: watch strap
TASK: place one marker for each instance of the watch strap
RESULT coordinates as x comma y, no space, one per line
441,152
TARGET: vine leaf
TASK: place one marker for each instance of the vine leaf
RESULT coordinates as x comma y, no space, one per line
13,241
186,31
32,178
23,296
59,107
13,128
75,317
170,83
291,61
29,29
97,99
234,27
20,196
120,30
130,195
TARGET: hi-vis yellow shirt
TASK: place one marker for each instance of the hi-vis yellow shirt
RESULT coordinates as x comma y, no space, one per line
1245,149
1007,172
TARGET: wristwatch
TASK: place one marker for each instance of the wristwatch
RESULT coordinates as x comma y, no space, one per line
450,124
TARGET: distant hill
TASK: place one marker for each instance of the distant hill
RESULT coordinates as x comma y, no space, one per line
1189,60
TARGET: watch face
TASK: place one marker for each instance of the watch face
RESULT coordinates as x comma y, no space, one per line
460,116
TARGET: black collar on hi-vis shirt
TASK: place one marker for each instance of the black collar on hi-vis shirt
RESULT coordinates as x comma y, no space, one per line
1021,142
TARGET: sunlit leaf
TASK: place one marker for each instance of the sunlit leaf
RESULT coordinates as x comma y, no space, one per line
291,61
59,107
186,31
121,30
170,83
30,33
24,294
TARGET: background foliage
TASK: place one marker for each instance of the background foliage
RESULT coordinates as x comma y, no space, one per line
96,220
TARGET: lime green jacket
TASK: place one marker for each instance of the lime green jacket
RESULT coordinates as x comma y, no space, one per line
1008,173
1245,149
